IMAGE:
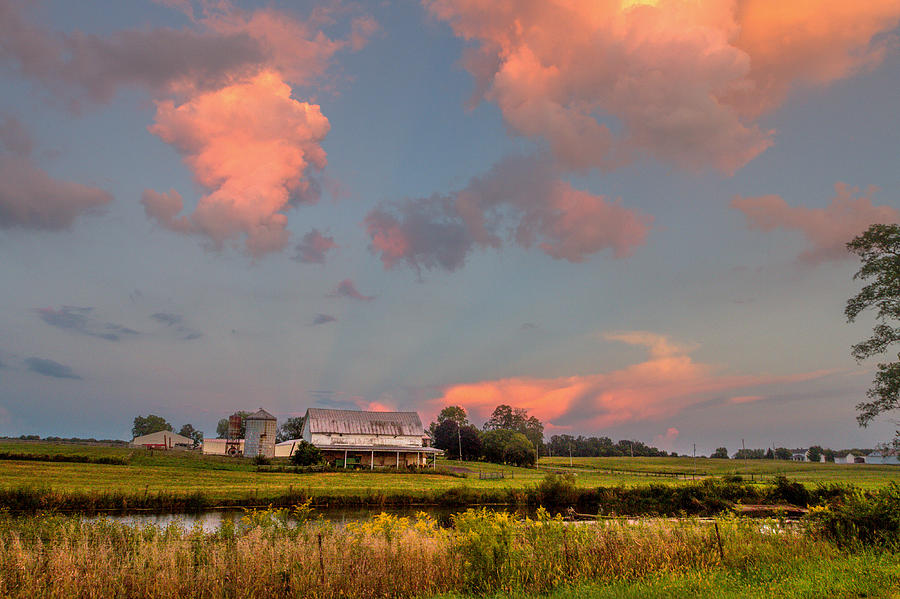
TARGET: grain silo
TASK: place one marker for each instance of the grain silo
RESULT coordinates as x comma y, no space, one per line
260,435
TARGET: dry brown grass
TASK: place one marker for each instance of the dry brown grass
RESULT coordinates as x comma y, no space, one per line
266,556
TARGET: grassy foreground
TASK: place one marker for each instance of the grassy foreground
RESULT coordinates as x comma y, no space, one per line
484,553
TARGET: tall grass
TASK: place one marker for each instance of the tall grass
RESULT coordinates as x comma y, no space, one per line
266,555
705,498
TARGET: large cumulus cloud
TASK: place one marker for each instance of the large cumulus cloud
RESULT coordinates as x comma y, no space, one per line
679,80
250,144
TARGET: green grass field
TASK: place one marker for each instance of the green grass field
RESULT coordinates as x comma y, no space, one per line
219,477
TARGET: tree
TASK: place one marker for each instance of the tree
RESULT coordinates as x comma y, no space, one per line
508,418
503,446
456,440
720,452
879,250
144,425
456,414
814,453
783,453
222,426
770,455
191,433
291,429
306,454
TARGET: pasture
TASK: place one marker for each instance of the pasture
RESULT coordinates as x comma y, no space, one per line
219,480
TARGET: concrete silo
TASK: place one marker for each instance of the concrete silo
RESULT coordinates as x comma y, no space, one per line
260,435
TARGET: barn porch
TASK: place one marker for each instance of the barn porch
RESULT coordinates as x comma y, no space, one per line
379,456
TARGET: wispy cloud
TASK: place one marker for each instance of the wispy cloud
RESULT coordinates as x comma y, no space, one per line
347,288
50,368
79,320
314,247
322,319
30,198
827,230
176,323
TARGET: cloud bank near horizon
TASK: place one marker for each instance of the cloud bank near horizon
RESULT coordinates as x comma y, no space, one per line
668,382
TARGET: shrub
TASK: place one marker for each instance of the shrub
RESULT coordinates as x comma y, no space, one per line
861,519
307,454
794,493
557,489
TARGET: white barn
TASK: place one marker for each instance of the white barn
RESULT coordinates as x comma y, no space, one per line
163,440
355,438
884,456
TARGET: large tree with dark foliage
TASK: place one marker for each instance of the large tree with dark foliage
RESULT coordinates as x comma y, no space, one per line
509,418
504,446
191,433
879,250
457,440
144,425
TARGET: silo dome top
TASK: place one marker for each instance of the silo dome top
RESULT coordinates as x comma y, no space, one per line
261,415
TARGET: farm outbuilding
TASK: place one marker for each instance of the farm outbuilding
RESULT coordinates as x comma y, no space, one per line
260,438
887,456
163,440
223,446
368,439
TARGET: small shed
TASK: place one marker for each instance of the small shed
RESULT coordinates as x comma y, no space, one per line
231,447
163,440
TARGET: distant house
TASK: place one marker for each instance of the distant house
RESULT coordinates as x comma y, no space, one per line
849,458
163,440
883,456
368,439
802,455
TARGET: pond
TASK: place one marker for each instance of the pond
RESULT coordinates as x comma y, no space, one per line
211,520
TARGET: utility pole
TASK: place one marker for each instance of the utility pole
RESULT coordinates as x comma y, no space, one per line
743,449
570,455
694,473
459,438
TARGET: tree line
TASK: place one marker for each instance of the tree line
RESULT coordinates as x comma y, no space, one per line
511,436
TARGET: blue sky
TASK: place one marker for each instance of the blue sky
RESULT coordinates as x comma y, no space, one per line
616,288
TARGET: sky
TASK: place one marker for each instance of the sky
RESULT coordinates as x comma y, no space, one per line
627,216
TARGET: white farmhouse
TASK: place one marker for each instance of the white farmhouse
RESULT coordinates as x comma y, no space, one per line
354,438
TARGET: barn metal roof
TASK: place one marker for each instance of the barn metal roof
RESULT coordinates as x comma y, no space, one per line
352,422
261,415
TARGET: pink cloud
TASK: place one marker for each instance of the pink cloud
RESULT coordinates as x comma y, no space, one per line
314,246
827,230
665,441
682,81
521,198
30,198
746,398
347,288
251,145
223,100
665,384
